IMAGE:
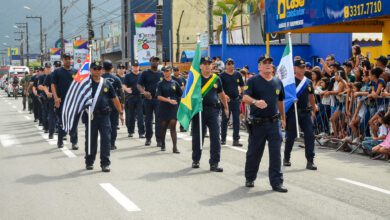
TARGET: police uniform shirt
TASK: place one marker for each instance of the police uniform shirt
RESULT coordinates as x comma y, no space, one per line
303,99
48,82
115,81
270,91
131,81
211,98
179,80
149,79
230,84
106,95
169,89
41,81
63,78
36,81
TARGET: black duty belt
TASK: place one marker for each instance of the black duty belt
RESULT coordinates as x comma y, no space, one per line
217,105
260,121
104,111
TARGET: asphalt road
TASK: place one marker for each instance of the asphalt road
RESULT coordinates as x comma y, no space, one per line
40,181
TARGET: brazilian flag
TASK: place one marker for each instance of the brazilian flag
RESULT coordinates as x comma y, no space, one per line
191,100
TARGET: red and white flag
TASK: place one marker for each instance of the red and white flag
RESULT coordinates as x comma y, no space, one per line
79,95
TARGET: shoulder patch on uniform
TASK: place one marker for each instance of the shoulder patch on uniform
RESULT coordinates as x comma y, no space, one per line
245,87
277,92
216,85
161,78
105,90
238,80
309,88
174,87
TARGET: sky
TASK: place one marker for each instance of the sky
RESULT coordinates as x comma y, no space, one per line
75,19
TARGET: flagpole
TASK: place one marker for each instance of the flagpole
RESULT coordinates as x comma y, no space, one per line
200,113
89,108
296,118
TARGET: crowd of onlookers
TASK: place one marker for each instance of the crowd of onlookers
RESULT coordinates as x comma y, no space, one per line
353,100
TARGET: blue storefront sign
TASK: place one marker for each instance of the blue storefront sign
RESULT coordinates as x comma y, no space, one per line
282,15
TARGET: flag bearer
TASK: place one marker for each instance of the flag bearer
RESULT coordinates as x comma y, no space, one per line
100,118
212,92
306,106
265,95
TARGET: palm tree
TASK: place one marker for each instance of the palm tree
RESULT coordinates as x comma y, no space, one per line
241,4
231,10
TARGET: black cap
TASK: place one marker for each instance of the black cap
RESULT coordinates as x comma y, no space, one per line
166,68
300,63
66,55
47,65
264,58
175,68
135,63
246,67
229,60
382,59
57,63
107,64
96,64
348,64
120,66
154,58
204,60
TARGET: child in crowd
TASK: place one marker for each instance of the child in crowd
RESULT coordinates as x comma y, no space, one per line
384,147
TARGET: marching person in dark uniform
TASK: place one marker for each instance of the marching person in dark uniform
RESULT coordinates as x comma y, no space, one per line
117,85
62,78
51,114
25,85
37,102
265,95
43,97
304,118
31,93
133,102
147,84
181,81
231,80
168,93
212,92
100,119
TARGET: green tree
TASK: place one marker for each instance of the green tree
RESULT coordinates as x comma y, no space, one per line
231,9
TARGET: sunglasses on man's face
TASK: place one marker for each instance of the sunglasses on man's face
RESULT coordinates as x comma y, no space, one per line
122,67
97,68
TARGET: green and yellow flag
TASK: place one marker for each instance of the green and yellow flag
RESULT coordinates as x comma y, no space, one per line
191,100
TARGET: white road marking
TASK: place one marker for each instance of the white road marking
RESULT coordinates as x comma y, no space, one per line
20,112
13,106
68,153
8,140
119,197
364,185
236,148
27,117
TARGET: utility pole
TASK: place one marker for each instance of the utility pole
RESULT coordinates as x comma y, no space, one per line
101,31
62,29
45,40
41,34
91,34
21,47
159,29
210,21
25,25
178,38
